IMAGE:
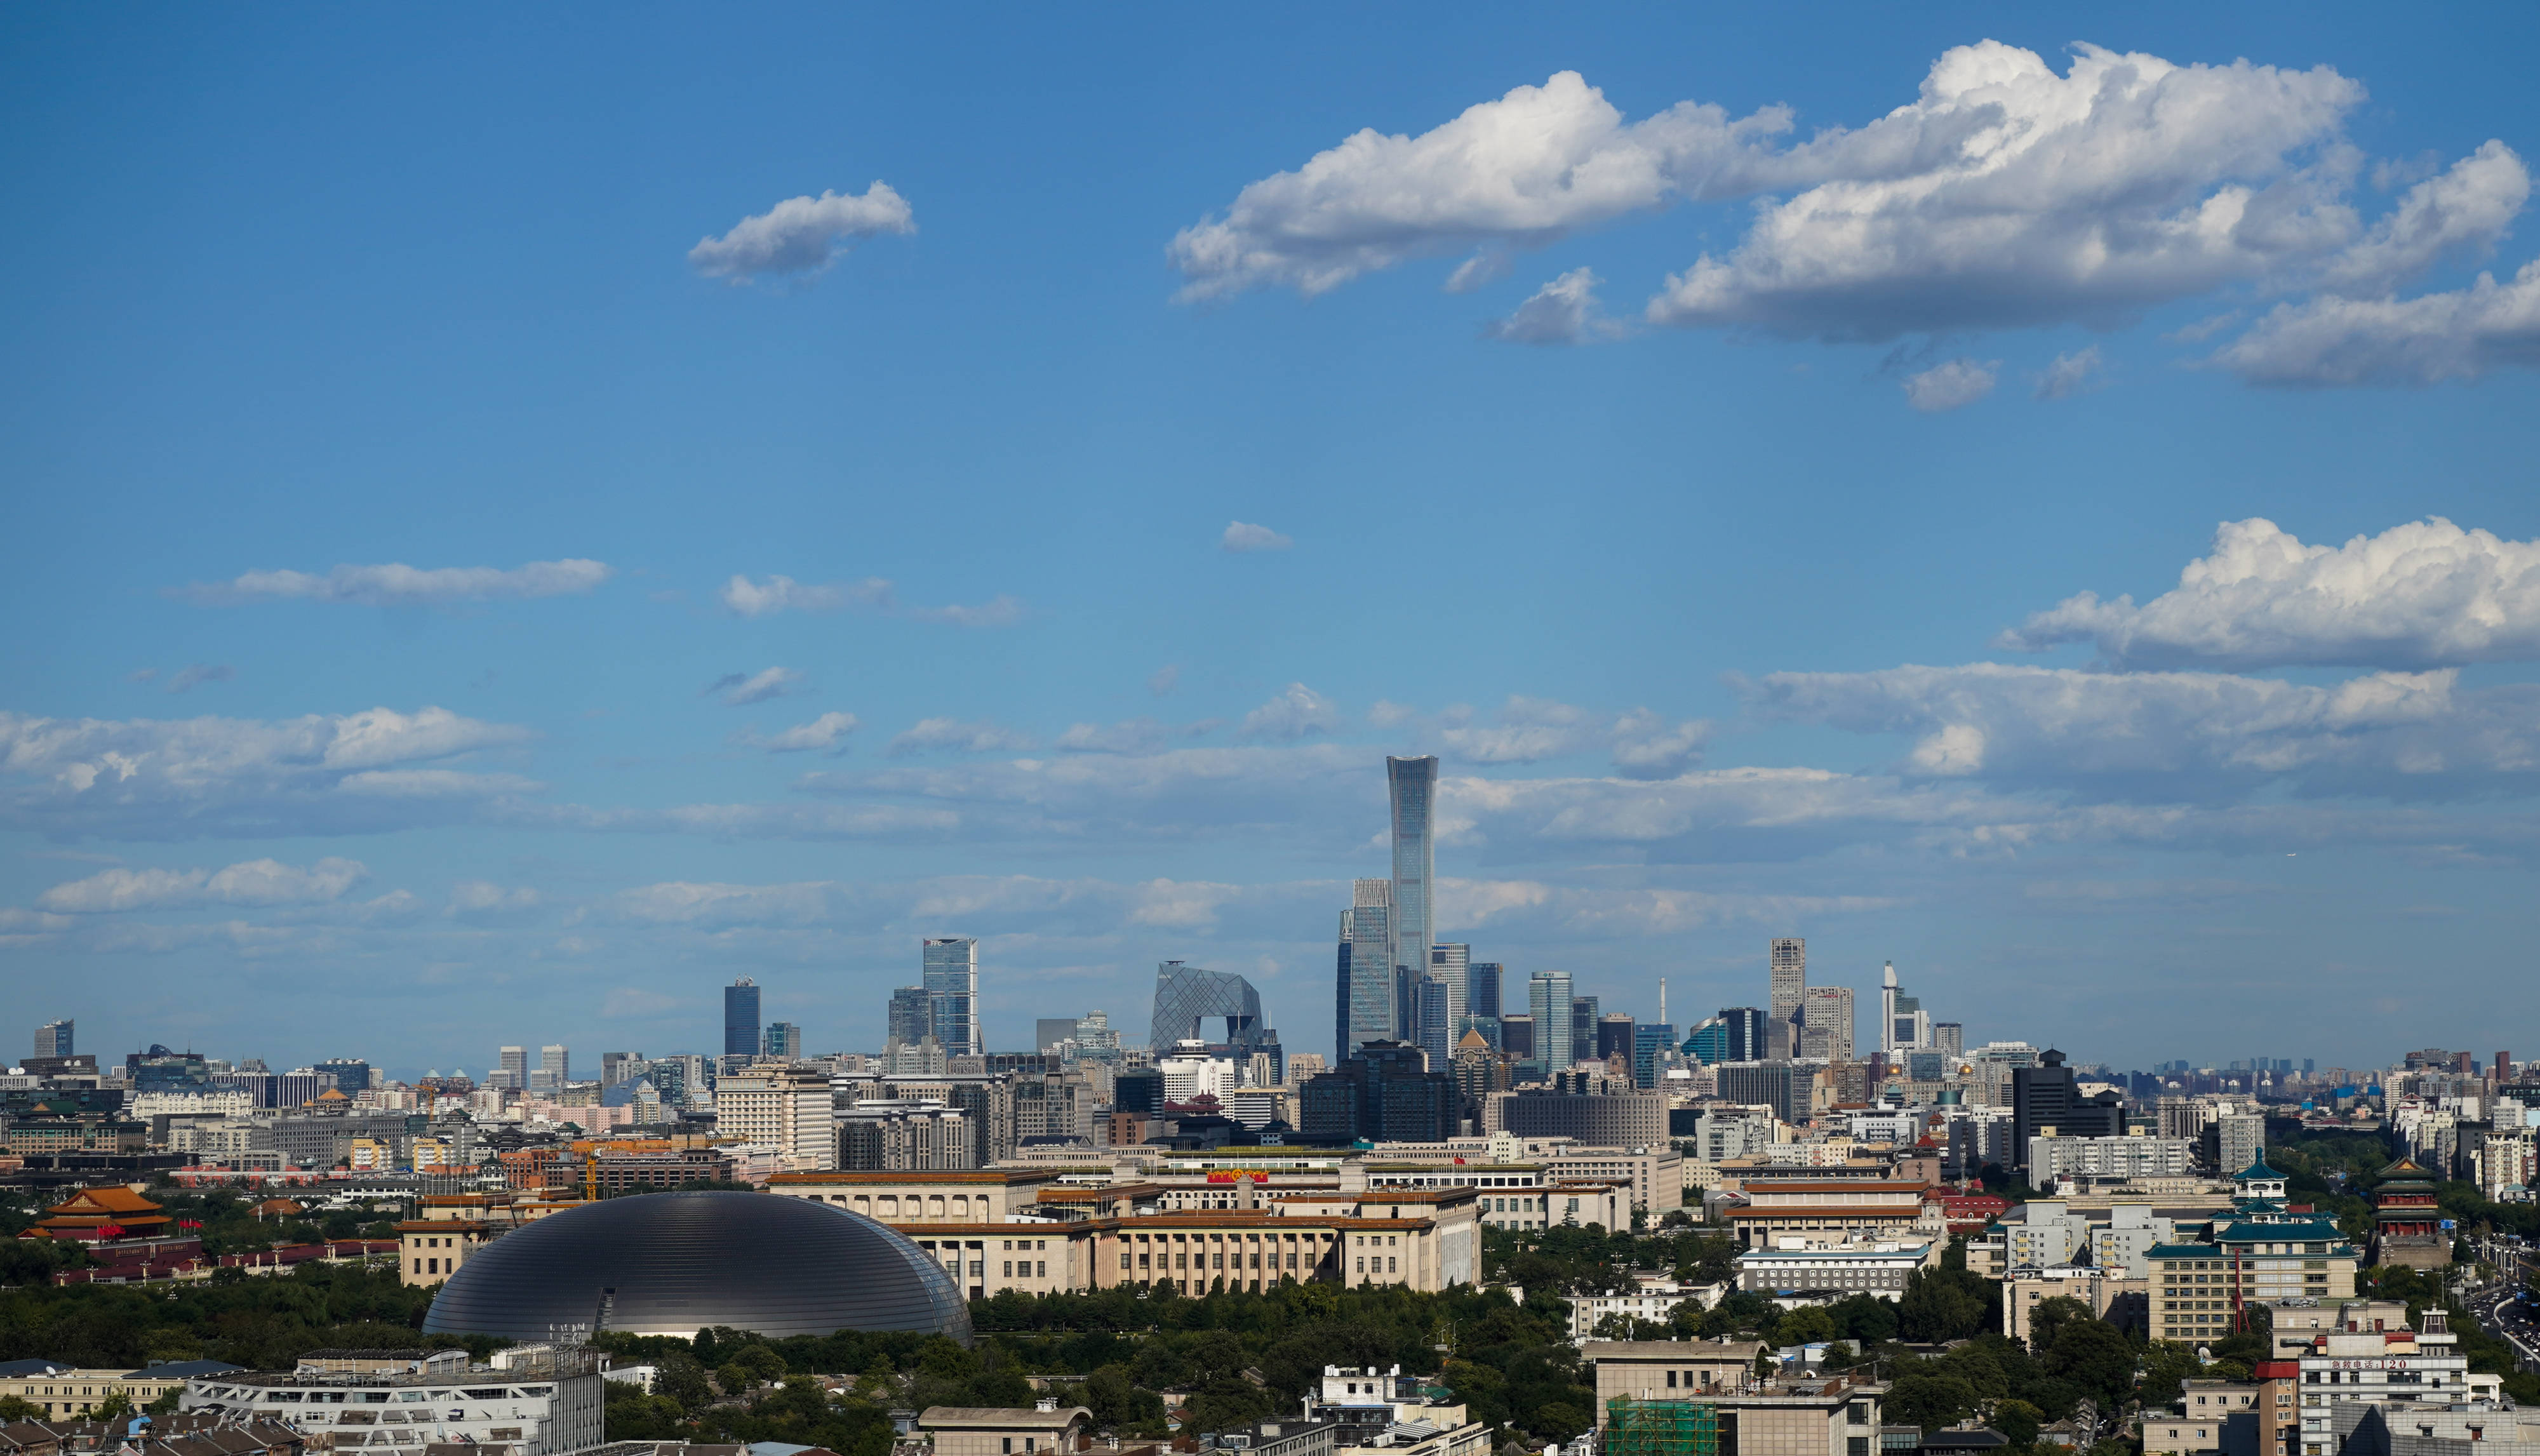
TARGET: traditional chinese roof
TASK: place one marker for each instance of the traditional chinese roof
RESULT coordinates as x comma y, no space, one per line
114,1199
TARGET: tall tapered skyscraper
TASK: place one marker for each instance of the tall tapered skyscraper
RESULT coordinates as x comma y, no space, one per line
1365,1007
951,971
1413,783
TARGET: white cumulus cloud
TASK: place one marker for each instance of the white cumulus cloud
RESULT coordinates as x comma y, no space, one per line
2463,210
1241,535
2006,196
1534,166
1295,712
251,882
2423,595
2180,735
398,585
2434,338
1950,384
1562,312
801,236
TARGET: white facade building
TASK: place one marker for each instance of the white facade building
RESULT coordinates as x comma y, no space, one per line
782,1105
536,1402
2050,1158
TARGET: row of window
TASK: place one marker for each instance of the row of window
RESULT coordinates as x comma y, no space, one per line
1183,1261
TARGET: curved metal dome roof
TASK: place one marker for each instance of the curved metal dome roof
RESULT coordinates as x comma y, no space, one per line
677,1263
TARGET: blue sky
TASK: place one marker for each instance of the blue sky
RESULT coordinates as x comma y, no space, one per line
1671,466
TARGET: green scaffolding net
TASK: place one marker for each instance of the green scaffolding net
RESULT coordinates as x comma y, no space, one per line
1634,1428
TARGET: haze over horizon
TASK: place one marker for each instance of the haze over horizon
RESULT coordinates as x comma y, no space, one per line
517,522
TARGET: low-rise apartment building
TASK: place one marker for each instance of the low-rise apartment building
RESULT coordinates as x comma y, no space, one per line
1671,1369
65,1392
1653,1298
2108,1293
1817,1415
1799,1269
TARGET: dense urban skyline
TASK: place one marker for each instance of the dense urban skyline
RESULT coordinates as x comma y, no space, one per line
706,510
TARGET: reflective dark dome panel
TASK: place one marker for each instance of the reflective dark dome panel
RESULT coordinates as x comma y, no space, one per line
677,1263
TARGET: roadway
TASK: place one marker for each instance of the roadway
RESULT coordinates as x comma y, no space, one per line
2504,1314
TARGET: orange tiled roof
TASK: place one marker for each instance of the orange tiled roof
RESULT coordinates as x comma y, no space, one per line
113,1198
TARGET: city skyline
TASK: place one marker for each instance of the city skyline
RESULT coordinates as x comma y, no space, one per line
704,510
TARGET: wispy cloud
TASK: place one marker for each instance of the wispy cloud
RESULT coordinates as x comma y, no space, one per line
998,611
1243,536
826,733
745,597
398,585
740,689
251,882
2077,372
949,734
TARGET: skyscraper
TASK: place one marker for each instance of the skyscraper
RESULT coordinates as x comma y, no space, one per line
1789,990
1188,996
555,1066
1451,961
515,1070
1825,1024
783,1039
1482,988
1615,1036
1949,1038
910,1023
1430,1023
1582,1029
53,1038
1708,1043
1903,1024
1547,995
1365,1007
1747,1039
1652,1041
952,977
1517,1036
1413,783
740,1018
613,1064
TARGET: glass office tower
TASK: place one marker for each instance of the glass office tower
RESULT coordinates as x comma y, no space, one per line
952,979
1548,999
1413,783
1365,1007
740,1022
1451,961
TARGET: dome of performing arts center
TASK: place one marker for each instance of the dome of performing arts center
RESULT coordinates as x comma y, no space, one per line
677,1263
